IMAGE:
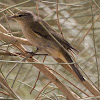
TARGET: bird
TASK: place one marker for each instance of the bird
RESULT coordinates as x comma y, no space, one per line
41,35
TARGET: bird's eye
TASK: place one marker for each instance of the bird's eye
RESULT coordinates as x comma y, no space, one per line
20,15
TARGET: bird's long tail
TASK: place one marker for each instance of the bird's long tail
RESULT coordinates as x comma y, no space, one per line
73,66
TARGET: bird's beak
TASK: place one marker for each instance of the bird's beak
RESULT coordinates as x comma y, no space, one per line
13,16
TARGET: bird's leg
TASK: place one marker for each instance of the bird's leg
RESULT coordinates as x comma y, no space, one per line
34,53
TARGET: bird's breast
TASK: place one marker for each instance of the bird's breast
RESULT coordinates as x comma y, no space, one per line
35,39
42,43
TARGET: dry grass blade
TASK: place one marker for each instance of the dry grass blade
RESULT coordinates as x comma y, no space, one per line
79,22
5,86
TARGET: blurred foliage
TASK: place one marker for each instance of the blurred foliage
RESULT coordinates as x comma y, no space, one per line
76,17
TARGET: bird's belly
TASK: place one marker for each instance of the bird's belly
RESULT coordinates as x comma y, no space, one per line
36,41
48,46
55,52
32,38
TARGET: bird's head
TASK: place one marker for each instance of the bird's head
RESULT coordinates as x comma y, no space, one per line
23,16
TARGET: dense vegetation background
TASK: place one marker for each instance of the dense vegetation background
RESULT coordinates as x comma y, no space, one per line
80,25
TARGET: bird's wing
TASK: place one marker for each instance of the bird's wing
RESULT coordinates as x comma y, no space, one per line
38,28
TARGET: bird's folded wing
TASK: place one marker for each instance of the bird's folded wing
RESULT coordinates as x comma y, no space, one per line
41,31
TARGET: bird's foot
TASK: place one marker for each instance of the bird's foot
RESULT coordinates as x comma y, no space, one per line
34,53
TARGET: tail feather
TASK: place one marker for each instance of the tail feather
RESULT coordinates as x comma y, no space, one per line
69,60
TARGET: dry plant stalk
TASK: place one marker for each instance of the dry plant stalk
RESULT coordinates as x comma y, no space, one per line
6,87
42,68
18,42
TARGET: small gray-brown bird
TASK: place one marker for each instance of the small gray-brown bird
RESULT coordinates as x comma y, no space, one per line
41,35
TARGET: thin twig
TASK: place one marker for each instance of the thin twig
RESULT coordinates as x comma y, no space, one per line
35,82
37,8
42,90
67,81
58,23
88,31
15,5
94,41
